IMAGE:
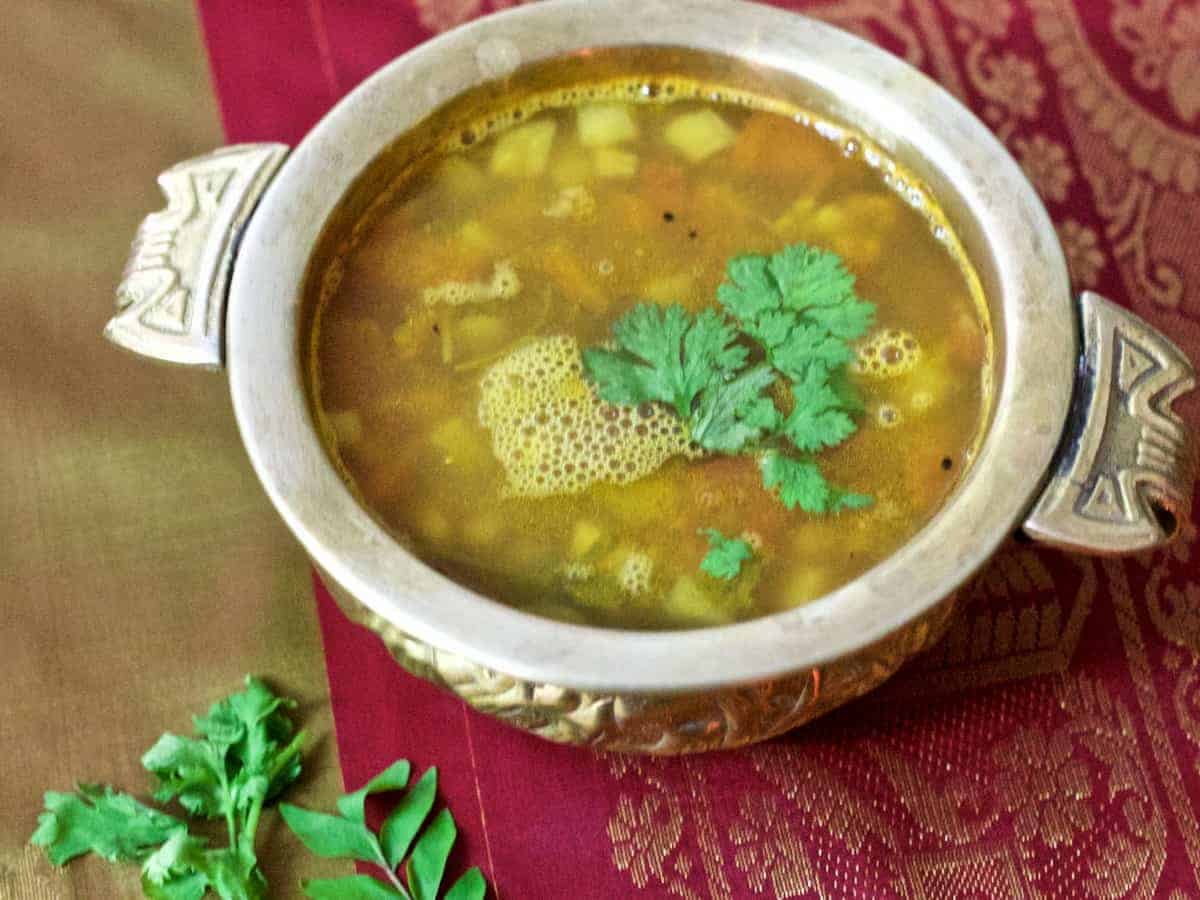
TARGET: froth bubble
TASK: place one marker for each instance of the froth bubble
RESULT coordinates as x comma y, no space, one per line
554,435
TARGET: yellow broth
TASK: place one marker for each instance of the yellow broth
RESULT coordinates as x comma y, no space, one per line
550,221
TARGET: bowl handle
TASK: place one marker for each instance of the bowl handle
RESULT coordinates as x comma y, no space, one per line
171,299
1123,477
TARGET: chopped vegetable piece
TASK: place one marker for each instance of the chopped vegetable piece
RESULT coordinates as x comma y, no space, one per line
586,535
688,601
602,124
461,178
574,202
525,151
699,135
613,163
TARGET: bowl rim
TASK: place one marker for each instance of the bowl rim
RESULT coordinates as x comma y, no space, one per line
1039,349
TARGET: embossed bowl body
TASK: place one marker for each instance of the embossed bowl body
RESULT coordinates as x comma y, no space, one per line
1081,447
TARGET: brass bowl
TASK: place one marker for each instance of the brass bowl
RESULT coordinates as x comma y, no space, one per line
1082,448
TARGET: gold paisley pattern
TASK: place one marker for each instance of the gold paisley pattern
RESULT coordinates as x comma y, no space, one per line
1049,745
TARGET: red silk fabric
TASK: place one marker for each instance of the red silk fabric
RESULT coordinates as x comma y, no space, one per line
1050,746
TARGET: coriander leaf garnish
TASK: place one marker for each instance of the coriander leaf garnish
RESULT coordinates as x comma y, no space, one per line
818,419
664,355
734,413
800,304
242,756
725,555
345,835
801,483
103,821
801,309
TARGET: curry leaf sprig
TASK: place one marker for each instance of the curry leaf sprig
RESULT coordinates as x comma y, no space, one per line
243,755
345,835
800,308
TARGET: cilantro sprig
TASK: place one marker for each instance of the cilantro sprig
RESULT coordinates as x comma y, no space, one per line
345,835
794,315
693,365
243,755
725,555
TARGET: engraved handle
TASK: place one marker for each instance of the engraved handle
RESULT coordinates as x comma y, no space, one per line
1125,471
171,300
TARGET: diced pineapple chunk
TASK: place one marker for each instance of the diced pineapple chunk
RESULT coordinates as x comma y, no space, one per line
585,537
614,163
602,124
525,151
460,177
699,135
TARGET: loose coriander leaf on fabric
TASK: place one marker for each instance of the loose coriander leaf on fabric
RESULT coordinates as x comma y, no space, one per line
331,836
470,887
186,886
799,482
403,823
817,420
235,876
192,771
103,821
725,555
351,887
734,413
267,744
180,857
427,864
393,778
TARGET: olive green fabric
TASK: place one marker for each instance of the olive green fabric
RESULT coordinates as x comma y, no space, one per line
142,570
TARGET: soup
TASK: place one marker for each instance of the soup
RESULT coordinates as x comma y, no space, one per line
459,349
